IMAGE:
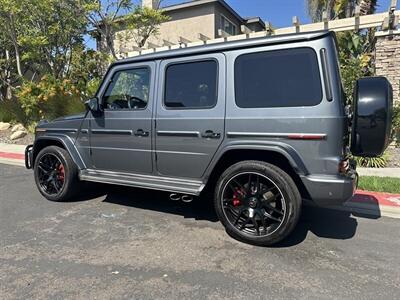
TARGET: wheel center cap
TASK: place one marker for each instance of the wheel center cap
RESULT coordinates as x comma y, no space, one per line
253,202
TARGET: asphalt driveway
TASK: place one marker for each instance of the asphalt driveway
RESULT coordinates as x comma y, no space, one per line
126,243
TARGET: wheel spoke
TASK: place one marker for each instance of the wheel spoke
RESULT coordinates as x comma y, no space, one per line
244,223
269,216
264,224
238,216
266,205
44,167
54,183
256,225
249,185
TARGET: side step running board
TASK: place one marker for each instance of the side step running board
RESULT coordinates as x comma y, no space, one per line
169,184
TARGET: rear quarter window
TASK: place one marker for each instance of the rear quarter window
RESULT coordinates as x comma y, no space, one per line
281,78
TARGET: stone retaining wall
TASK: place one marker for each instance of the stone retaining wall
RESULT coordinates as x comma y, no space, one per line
387,61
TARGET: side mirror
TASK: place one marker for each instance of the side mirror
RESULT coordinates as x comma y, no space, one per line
93,104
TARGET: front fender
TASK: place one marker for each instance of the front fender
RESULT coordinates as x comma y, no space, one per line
67,143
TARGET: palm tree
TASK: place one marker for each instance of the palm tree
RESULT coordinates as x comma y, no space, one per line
316,7
336,9
367,6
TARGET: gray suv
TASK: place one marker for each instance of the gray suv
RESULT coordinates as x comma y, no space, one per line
263,124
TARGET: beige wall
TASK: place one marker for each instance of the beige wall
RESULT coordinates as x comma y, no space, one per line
184,22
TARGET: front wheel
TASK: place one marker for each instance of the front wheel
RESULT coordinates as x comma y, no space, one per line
56,174
257,202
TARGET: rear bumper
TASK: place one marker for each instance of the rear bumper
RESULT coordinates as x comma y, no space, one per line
29,156
326,190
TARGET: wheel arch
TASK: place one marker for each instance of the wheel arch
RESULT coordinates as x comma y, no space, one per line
64,142
274,155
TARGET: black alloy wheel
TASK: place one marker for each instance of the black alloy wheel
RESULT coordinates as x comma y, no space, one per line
253,203
56,174
51,174
257,202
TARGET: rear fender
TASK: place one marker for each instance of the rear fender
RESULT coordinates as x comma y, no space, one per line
287,151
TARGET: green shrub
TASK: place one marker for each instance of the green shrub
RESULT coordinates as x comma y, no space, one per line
396,125
373,162
48,99
11,111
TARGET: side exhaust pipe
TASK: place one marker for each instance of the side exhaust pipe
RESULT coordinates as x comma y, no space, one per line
184,198
175,197
187,198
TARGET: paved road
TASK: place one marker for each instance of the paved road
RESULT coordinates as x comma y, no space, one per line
127,243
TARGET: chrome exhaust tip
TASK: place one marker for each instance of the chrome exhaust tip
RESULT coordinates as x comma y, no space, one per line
175,197
187,198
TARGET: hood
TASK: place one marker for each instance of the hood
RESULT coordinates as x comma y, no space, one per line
71,117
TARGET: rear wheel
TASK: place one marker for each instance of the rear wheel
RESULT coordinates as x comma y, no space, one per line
56,174
257,202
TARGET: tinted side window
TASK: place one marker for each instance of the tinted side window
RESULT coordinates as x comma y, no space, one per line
129,89
191,85
278,79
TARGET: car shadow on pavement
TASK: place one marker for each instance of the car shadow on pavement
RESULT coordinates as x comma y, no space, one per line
322,222
198,209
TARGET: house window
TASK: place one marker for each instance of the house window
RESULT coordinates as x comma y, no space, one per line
228,26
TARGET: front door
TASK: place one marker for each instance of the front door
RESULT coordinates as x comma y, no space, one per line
190,114
120,137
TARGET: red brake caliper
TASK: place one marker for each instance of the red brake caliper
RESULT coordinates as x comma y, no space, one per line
237,195
61,172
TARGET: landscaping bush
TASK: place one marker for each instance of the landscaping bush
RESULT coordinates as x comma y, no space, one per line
396,125
48,99
373,162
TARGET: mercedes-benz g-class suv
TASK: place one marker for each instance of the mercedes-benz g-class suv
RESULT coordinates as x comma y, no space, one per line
263,123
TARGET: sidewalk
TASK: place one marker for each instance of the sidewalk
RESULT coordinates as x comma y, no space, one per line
364,202
380,172
12,154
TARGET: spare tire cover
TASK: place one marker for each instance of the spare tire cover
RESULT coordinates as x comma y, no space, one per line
371,124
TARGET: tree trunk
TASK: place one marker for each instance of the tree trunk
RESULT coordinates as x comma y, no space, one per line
110,41
14,40
8,77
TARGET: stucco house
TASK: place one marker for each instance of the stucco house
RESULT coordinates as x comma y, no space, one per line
211,18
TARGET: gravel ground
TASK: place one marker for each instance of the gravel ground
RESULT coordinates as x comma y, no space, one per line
394,158
5,138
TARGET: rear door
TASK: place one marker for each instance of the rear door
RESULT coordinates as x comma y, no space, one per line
190,114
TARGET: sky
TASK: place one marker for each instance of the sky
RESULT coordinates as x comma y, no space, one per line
278,12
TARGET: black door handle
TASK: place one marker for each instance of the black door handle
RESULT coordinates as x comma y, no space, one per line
209,134
141,132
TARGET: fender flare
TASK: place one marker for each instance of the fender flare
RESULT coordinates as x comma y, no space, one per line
68,144
286,150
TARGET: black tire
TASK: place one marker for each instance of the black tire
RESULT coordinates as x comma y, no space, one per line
71,183
285,189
